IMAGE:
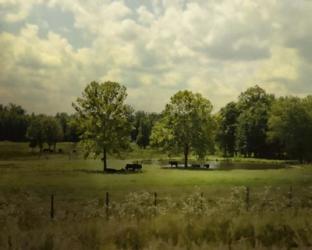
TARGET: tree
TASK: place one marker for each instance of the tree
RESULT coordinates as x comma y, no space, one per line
103,119
35,132
290,125
53,131
186,125
72,129
142,123
227,123
252,124
63,119
13,123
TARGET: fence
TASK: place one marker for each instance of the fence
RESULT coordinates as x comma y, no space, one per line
241,198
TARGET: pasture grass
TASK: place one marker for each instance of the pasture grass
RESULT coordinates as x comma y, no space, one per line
71,176
196,209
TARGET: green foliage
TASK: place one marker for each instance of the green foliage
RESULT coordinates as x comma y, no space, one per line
69,126
142,127
227,123
290,126
104,118
53,131
186,125
44,129
13,122
252,124
35,132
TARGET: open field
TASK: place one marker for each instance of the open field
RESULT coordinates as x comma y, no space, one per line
80,178
195,209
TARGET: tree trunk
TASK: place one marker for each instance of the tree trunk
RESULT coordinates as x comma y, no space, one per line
186,151
104,159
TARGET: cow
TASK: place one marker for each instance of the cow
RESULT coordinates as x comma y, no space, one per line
195,165
173,163
206,165
47,150
133,166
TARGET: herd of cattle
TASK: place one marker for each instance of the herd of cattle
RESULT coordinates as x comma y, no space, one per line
194,165
131,166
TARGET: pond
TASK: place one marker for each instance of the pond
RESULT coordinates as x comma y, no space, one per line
213,164
225,165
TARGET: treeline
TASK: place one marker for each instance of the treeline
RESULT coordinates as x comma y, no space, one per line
261,125
18,126
258,125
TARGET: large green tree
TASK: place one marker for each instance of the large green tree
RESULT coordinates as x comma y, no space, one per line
252,124
186,125
103,118
290,125
227,123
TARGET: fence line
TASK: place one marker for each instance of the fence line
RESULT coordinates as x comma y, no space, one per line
155,200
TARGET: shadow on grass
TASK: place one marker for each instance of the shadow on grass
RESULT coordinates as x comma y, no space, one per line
108,171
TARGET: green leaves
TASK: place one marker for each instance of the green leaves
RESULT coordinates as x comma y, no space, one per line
290,125
186,125
103,117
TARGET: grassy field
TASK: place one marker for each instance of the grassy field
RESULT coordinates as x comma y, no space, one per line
196,209
75,177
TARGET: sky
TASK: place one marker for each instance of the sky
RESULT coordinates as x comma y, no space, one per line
50,50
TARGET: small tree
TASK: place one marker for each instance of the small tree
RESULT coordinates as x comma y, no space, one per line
53,132
186,126
35,132
103,119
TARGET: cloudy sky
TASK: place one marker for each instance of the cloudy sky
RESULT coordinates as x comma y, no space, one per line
50,50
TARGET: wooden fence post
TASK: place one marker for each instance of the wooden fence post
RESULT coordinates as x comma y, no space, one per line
52,207
290,196
107,205
155,199
247,198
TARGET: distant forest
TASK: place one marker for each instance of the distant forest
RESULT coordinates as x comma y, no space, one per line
257,125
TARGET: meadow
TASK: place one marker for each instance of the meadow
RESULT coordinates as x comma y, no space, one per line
192,209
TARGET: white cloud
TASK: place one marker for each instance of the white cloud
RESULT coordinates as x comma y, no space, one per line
218,48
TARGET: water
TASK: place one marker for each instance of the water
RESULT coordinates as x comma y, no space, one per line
213,165
228,165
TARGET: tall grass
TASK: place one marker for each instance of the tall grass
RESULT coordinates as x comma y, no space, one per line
192,222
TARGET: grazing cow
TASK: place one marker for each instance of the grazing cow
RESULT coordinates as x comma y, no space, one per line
111,170
133,166
173,163
47,150
195,165
206,165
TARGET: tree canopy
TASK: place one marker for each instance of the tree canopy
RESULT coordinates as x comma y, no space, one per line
290,125
186,125
103,118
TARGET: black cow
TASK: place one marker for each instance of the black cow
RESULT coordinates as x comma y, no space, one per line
206,165
111,170
48,150
133,166
195,165
173,163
